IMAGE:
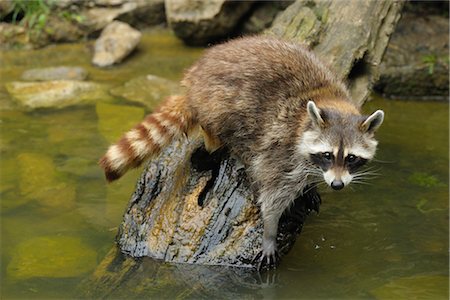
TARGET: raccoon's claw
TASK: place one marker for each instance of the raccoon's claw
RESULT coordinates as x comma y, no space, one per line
266,260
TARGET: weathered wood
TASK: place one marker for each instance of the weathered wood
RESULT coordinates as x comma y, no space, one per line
349,36
190,207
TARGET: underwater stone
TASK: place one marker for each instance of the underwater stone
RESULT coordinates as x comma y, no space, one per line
55,73
40,181
52,256
117,40
149,90
55,93
114,120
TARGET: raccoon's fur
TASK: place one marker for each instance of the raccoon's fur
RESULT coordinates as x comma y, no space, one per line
274,105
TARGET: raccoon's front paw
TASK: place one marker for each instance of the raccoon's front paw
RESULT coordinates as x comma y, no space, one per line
268,257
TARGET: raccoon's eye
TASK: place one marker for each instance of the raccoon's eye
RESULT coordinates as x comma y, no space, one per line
351,158
327,155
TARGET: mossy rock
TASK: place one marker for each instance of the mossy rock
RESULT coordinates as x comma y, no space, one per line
149,90
55,93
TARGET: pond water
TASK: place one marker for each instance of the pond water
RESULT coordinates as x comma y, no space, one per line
381,240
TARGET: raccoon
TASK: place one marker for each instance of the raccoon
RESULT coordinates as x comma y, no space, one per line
272,103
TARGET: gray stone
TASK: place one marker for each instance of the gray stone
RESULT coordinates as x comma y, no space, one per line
135,13
55,73
149,90
117,40
262,15
415,67
55,93
350,39
199,22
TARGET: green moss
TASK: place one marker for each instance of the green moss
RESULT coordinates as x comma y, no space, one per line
424,180
114,120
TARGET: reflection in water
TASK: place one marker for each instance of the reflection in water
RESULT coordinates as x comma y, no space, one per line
147,278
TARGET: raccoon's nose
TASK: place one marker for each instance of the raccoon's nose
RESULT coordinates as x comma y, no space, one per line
337,185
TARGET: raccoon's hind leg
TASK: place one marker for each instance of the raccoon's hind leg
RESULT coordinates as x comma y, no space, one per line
212,143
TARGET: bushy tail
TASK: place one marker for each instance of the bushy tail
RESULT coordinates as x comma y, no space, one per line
172,119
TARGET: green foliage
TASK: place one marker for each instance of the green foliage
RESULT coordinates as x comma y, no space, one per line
34,13
430,60
71,16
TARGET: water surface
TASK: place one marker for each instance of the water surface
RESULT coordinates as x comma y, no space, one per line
382,239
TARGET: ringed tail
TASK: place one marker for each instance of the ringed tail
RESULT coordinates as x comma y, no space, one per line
171,120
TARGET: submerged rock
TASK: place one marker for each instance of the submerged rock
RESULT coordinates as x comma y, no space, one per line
415,67
148,90
200,22
55,93
114,120
55,73
117,40
40,182
51,256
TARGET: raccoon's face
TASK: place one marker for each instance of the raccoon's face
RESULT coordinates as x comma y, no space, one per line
339,144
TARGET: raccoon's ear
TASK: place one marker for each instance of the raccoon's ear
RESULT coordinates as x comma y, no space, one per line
371,124
314,114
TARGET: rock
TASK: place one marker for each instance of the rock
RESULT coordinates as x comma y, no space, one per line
201,22
98,18
148,90
110,2
40,181
415,67
136,13
350,38
51,257
59,29
262,15
117,40
189,207
6,7
55,93
55,73
114,120
147,13
13,36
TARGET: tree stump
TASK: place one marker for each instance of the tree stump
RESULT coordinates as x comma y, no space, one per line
192,207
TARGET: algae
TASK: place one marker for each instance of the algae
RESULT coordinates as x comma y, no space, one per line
114,120
52,256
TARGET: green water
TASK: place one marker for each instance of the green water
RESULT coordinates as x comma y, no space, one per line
384,240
